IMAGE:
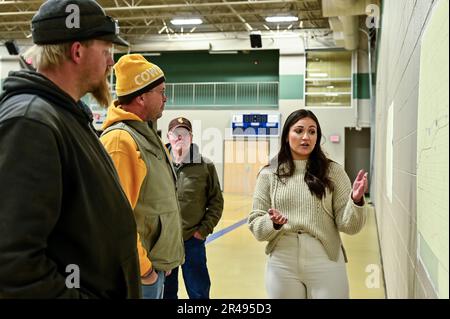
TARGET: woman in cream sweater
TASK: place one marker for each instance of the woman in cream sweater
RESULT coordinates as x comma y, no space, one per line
301,202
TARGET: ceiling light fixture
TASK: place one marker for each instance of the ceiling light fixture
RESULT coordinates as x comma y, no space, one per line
282,19
151,54
224,52
186,21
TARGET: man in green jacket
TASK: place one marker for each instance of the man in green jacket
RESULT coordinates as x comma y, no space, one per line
201,205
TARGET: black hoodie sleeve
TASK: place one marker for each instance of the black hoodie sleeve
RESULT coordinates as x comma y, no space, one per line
30,206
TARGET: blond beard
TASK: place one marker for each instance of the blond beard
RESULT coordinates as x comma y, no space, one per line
102,93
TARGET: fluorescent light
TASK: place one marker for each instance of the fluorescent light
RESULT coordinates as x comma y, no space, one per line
319,75
151,54
330,87
224,52
281,19
186,21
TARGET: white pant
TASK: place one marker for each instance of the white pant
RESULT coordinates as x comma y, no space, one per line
299,268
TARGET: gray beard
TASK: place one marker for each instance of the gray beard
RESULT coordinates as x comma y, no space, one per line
179,156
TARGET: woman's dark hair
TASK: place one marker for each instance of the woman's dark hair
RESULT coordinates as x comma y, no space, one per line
316,175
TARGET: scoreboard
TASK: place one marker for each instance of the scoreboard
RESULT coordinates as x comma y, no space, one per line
256,124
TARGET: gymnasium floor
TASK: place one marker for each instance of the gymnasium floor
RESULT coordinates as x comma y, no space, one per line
237,261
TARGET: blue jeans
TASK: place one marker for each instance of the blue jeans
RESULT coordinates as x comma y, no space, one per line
155,290
195,272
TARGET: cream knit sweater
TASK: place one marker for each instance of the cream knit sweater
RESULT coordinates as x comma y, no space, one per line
323,219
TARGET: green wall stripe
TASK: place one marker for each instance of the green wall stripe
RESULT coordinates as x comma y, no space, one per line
361,85
291,87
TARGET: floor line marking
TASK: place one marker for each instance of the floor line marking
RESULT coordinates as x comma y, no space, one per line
225,230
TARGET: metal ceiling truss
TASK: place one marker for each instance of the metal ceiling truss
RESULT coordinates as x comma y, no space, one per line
152,17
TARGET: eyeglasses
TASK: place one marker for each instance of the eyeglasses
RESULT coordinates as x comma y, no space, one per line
163,92
179,132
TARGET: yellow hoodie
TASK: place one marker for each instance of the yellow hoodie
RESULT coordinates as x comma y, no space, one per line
129,165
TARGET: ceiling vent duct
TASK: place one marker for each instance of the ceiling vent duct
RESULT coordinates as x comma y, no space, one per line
344,17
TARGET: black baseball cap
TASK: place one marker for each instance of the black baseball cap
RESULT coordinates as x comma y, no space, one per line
59,21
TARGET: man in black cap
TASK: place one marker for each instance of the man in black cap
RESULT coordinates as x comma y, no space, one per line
67,228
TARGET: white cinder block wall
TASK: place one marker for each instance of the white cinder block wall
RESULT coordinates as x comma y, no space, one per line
398,74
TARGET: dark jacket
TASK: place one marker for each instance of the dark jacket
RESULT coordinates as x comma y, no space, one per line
199,194
61,203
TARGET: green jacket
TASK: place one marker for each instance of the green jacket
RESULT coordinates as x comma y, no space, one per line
199,194
157,211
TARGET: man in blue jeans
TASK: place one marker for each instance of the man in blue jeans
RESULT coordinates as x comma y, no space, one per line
201,206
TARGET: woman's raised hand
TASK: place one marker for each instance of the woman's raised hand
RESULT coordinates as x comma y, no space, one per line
359,186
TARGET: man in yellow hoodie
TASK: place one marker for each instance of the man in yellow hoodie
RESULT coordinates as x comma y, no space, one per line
145,168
